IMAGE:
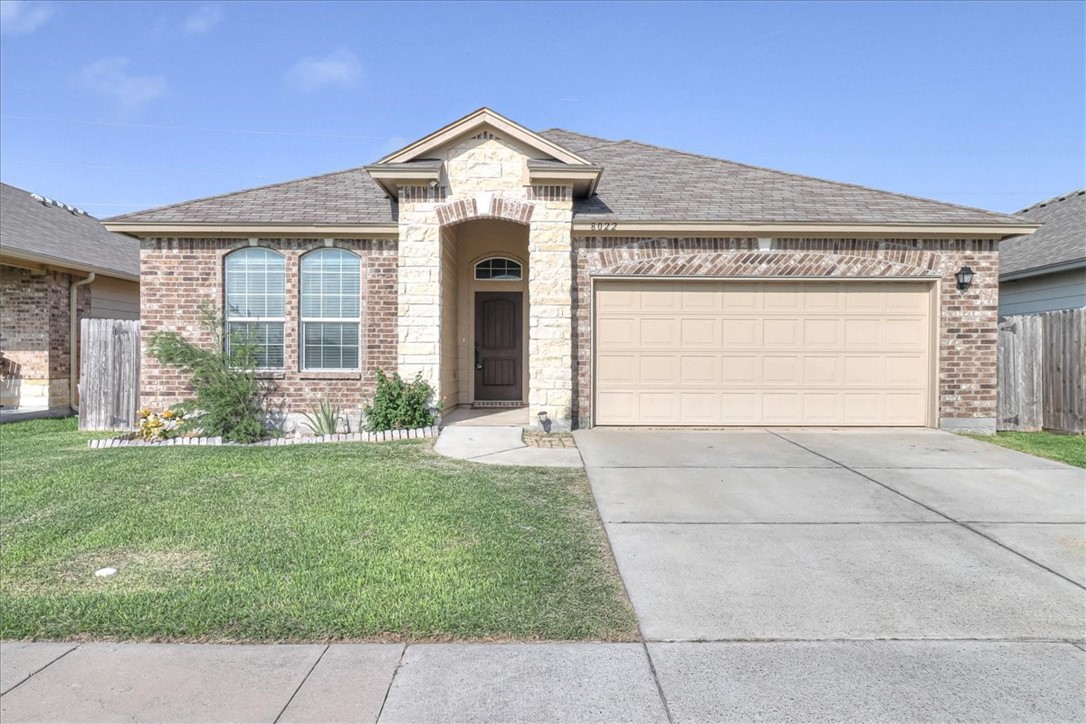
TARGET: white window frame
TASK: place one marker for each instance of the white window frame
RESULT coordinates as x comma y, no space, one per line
302,321
228,320
518,278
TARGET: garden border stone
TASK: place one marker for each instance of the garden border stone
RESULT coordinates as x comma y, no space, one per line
421,433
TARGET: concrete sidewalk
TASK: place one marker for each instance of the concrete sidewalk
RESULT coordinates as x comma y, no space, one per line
546,682
502,445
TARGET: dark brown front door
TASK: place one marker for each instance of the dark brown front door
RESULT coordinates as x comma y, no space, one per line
498,345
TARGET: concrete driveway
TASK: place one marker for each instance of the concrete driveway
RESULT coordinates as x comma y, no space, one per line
904,561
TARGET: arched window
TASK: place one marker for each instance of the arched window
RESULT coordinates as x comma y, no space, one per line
254,303
331,310
498,269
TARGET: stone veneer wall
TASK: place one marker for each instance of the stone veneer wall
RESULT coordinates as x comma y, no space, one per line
967,321
178,274
486,178
34,335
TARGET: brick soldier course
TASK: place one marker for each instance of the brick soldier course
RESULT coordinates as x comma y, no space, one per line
591,209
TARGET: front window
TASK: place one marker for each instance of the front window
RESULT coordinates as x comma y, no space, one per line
254,303
498,269
330,310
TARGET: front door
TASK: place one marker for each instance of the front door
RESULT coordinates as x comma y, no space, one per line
498,324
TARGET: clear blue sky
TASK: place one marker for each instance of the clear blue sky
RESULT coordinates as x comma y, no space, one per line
116,107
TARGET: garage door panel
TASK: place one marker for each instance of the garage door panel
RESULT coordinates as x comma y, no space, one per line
762,353
659,370
700,370
699,332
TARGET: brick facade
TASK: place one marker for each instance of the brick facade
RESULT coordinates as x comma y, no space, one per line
179,274
34,336
966,324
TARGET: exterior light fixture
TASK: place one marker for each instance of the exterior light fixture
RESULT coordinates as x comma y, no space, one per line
964,277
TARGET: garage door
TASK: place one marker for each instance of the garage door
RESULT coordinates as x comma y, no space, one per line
762,353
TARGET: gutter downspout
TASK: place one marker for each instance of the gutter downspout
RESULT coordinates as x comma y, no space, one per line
73,342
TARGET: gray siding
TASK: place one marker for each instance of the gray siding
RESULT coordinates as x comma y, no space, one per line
1046,293
114,299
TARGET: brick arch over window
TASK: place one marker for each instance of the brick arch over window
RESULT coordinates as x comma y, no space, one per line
484,206
771,264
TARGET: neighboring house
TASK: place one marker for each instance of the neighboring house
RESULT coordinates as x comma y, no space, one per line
1046,270
48,251
594,282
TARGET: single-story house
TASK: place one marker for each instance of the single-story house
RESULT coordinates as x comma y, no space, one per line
57,266
592,282
1046,270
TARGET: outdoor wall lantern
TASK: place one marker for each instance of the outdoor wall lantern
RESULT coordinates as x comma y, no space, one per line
964,277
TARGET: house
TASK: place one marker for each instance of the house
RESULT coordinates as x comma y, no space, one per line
593,282
57,265
1046,270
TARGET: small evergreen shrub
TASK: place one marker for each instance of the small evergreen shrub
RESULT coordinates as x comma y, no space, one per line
324,418
228,395
399,405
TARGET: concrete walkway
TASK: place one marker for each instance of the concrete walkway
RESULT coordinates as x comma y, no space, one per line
582,682
503,445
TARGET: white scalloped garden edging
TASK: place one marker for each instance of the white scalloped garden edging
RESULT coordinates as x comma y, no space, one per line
422,433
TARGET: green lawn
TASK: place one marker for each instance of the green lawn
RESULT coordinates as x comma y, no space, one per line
1070,449
351,541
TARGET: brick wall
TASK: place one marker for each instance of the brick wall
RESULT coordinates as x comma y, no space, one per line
178,274
34,335
967,320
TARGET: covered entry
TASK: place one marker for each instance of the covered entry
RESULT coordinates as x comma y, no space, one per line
746,352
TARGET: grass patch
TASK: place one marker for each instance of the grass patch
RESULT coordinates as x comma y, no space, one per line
1070,449
345,542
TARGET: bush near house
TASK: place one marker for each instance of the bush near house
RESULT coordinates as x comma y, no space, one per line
399,405
228,395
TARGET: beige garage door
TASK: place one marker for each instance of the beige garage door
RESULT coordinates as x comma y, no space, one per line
762,353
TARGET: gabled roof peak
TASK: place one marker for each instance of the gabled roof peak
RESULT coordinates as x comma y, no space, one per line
478,120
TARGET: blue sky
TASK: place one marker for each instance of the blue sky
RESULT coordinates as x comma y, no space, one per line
115,107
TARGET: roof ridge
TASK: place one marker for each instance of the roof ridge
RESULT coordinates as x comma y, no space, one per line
1054,199
164,207
816,178
576,133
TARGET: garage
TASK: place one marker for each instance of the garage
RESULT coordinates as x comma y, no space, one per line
706,353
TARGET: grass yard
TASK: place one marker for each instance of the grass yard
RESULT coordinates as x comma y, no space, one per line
351,541
1070,449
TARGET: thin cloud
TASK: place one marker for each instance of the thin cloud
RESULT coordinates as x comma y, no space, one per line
110,78
203,19
340,69
20,17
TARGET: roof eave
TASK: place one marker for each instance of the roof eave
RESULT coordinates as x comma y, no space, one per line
390,177
1038,271
252,230
584,179
9,255
601,225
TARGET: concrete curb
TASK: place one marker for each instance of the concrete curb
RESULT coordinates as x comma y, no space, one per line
421,433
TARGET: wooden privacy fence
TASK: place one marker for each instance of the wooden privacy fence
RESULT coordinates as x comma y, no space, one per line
1042,372
109,374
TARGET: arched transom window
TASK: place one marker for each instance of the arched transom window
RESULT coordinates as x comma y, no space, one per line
330,310
254,303
498,269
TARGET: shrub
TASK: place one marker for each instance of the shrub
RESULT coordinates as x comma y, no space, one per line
324,418
228,396
399,405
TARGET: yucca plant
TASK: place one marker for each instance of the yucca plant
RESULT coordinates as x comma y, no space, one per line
324,418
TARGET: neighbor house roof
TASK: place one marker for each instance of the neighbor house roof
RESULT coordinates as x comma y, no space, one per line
36,229
1060,243
639,183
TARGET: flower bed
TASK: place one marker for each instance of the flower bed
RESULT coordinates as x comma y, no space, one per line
422,433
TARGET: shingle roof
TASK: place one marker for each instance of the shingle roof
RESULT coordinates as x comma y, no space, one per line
342,197
71,239
1062,239
640,183
650,183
